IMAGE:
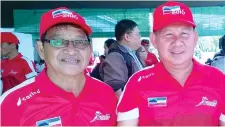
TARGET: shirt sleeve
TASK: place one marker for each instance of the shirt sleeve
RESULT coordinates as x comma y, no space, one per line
9,112
222,116
151,59
127,107
112,106
29,68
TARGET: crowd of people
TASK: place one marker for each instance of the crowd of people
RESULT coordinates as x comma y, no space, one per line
130,86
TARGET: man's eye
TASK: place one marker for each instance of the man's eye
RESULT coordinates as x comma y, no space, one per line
168,34
184,33
56,42
80,42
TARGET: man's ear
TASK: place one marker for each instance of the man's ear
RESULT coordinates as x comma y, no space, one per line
196,37
40,49
153,39
12,45
126,37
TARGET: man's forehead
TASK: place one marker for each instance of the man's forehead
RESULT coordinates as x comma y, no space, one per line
64,27
64,32
136,29
179,25
5,43
176,26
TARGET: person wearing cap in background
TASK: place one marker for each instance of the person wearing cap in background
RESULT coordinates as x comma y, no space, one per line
151,58
142,55
178,91
15,68
62,94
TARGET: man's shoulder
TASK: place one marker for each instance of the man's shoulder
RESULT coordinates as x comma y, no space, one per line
14,93
114,57
24,59
149,69
211,71
146,73
4,62
99,84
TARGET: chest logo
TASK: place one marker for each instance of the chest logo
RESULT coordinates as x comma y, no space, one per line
157,102
13,72
51,122
205,101
100,116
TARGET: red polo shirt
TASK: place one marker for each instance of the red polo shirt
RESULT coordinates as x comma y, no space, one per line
156,98
39,102
151,59
16,70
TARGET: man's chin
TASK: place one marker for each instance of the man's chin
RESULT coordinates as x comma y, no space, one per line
72,73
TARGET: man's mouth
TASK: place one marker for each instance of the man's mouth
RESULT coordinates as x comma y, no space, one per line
70,61
177,52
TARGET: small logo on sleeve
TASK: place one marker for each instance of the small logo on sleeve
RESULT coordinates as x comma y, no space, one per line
31,94
145,77
157,102
51,122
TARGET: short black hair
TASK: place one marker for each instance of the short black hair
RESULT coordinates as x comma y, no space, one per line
17,47
222,43
102,56
124,26
61,24
109,42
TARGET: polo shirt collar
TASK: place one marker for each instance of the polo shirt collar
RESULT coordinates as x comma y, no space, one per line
19,55
49,88
194,76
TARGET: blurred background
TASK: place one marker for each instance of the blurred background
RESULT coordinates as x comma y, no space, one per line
23,17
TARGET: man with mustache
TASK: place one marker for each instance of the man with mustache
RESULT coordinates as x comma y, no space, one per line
62,94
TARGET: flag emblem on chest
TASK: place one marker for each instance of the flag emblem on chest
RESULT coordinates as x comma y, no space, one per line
157,102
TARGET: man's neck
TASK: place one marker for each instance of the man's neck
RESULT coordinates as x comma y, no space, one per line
180,72
12,55
125,44
73,84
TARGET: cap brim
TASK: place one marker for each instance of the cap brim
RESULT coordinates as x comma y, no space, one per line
176,21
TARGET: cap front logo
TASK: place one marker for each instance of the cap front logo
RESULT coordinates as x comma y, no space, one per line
174,10
63,13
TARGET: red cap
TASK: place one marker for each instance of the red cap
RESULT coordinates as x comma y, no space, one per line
62,15
9,38
144,42
172,12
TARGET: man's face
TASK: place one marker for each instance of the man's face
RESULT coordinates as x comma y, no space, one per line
176,43
142,53
146,46
71,59
134,39
6,48
106,50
